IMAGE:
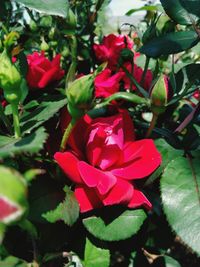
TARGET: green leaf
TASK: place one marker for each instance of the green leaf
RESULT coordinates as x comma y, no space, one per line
32,174
13,191
168,153
186,78
32,143
12,261
171,43
45,194
67,211
180,185
51,7
165,261
184,12
122,227
145,8
48,107
95,257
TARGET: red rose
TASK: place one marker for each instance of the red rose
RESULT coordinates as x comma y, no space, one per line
42,71
111,48
137,74
104,160
107,84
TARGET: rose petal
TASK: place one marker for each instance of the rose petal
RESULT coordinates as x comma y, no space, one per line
48,77
138,200
121,193
93,177
109,156
128,128
87,198
142,166
132,151
68,163
34,75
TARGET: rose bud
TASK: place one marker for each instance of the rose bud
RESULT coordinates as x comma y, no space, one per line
150,33
80,95
160,95
46,21
13,196
10,78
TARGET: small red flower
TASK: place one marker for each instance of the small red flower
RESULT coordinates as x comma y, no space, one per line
111,48
42,71
105,160
107,84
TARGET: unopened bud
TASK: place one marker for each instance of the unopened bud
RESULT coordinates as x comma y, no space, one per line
160,95
13,196
80,95
46,21
10,78
44,46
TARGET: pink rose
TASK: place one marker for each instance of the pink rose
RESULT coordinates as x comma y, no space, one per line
107,84
42,71
111,48
137,74
104,160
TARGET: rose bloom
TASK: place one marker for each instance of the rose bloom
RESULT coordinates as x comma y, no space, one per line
42,71
137,74
107,84
110,48
104,160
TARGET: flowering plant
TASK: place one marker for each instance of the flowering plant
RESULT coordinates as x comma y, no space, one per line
99,135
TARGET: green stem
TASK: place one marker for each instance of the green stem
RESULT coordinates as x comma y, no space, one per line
67,134
16,120
132,72
152,125
72,69
5,120
129,97
145,70
129,75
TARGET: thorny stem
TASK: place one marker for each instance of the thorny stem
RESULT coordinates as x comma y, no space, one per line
145,70
194,175
152,125
67,134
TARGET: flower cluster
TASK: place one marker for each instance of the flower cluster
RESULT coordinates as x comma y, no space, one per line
110,51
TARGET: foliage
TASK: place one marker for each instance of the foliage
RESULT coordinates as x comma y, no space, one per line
99,135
